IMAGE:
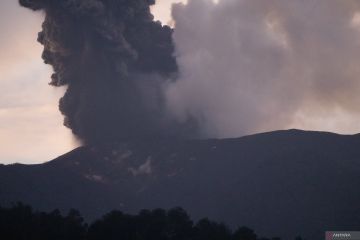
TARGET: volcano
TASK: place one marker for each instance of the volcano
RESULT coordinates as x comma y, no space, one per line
282,183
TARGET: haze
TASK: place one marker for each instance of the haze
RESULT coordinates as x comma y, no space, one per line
245,67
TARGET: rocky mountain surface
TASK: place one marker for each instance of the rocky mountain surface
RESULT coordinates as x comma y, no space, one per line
282,183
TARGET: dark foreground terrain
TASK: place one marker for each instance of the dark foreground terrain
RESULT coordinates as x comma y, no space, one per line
20,222
283,183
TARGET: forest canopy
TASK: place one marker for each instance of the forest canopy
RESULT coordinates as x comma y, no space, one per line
21,222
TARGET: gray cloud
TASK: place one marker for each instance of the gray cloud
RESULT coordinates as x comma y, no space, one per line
113,58
251,66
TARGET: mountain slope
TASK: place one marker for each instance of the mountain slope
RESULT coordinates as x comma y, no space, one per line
280,183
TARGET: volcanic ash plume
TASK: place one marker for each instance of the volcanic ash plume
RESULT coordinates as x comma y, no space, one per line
250,66
114,60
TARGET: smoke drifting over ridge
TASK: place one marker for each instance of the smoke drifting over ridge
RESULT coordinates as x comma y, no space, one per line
253,65
241,66
114,60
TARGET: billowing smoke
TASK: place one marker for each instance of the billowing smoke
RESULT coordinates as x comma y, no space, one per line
255,65
114,60
240,66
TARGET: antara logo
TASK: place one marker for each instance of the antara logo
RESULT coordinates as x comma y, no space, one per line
342,235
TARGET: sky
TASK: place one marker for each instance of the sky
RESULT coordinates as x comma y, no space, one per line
245,67
31,126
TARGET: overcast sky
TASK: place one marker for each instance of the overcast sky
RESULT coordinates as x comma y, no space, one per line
31,129
245,67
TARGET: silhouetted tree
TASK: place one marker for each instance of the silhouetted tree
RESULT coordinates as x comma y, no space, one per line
152,224
244,233
15,222
20,222
179,225
206,229
113,226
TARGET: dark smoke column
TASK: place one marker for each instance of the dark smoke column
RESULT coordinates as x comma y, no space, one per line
114,59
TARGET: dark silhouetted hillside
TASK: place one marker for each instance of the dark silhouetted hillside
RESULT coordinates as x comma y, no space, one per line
283,183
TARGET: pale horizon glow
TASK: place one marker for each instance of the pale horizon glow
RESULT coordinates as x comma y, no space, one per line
31,129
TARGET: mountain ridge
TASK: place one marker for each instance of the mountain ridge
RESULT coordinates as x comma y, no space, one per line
282,183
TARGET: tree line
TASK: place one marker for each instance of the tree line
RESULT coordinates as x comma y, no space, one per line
21,222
